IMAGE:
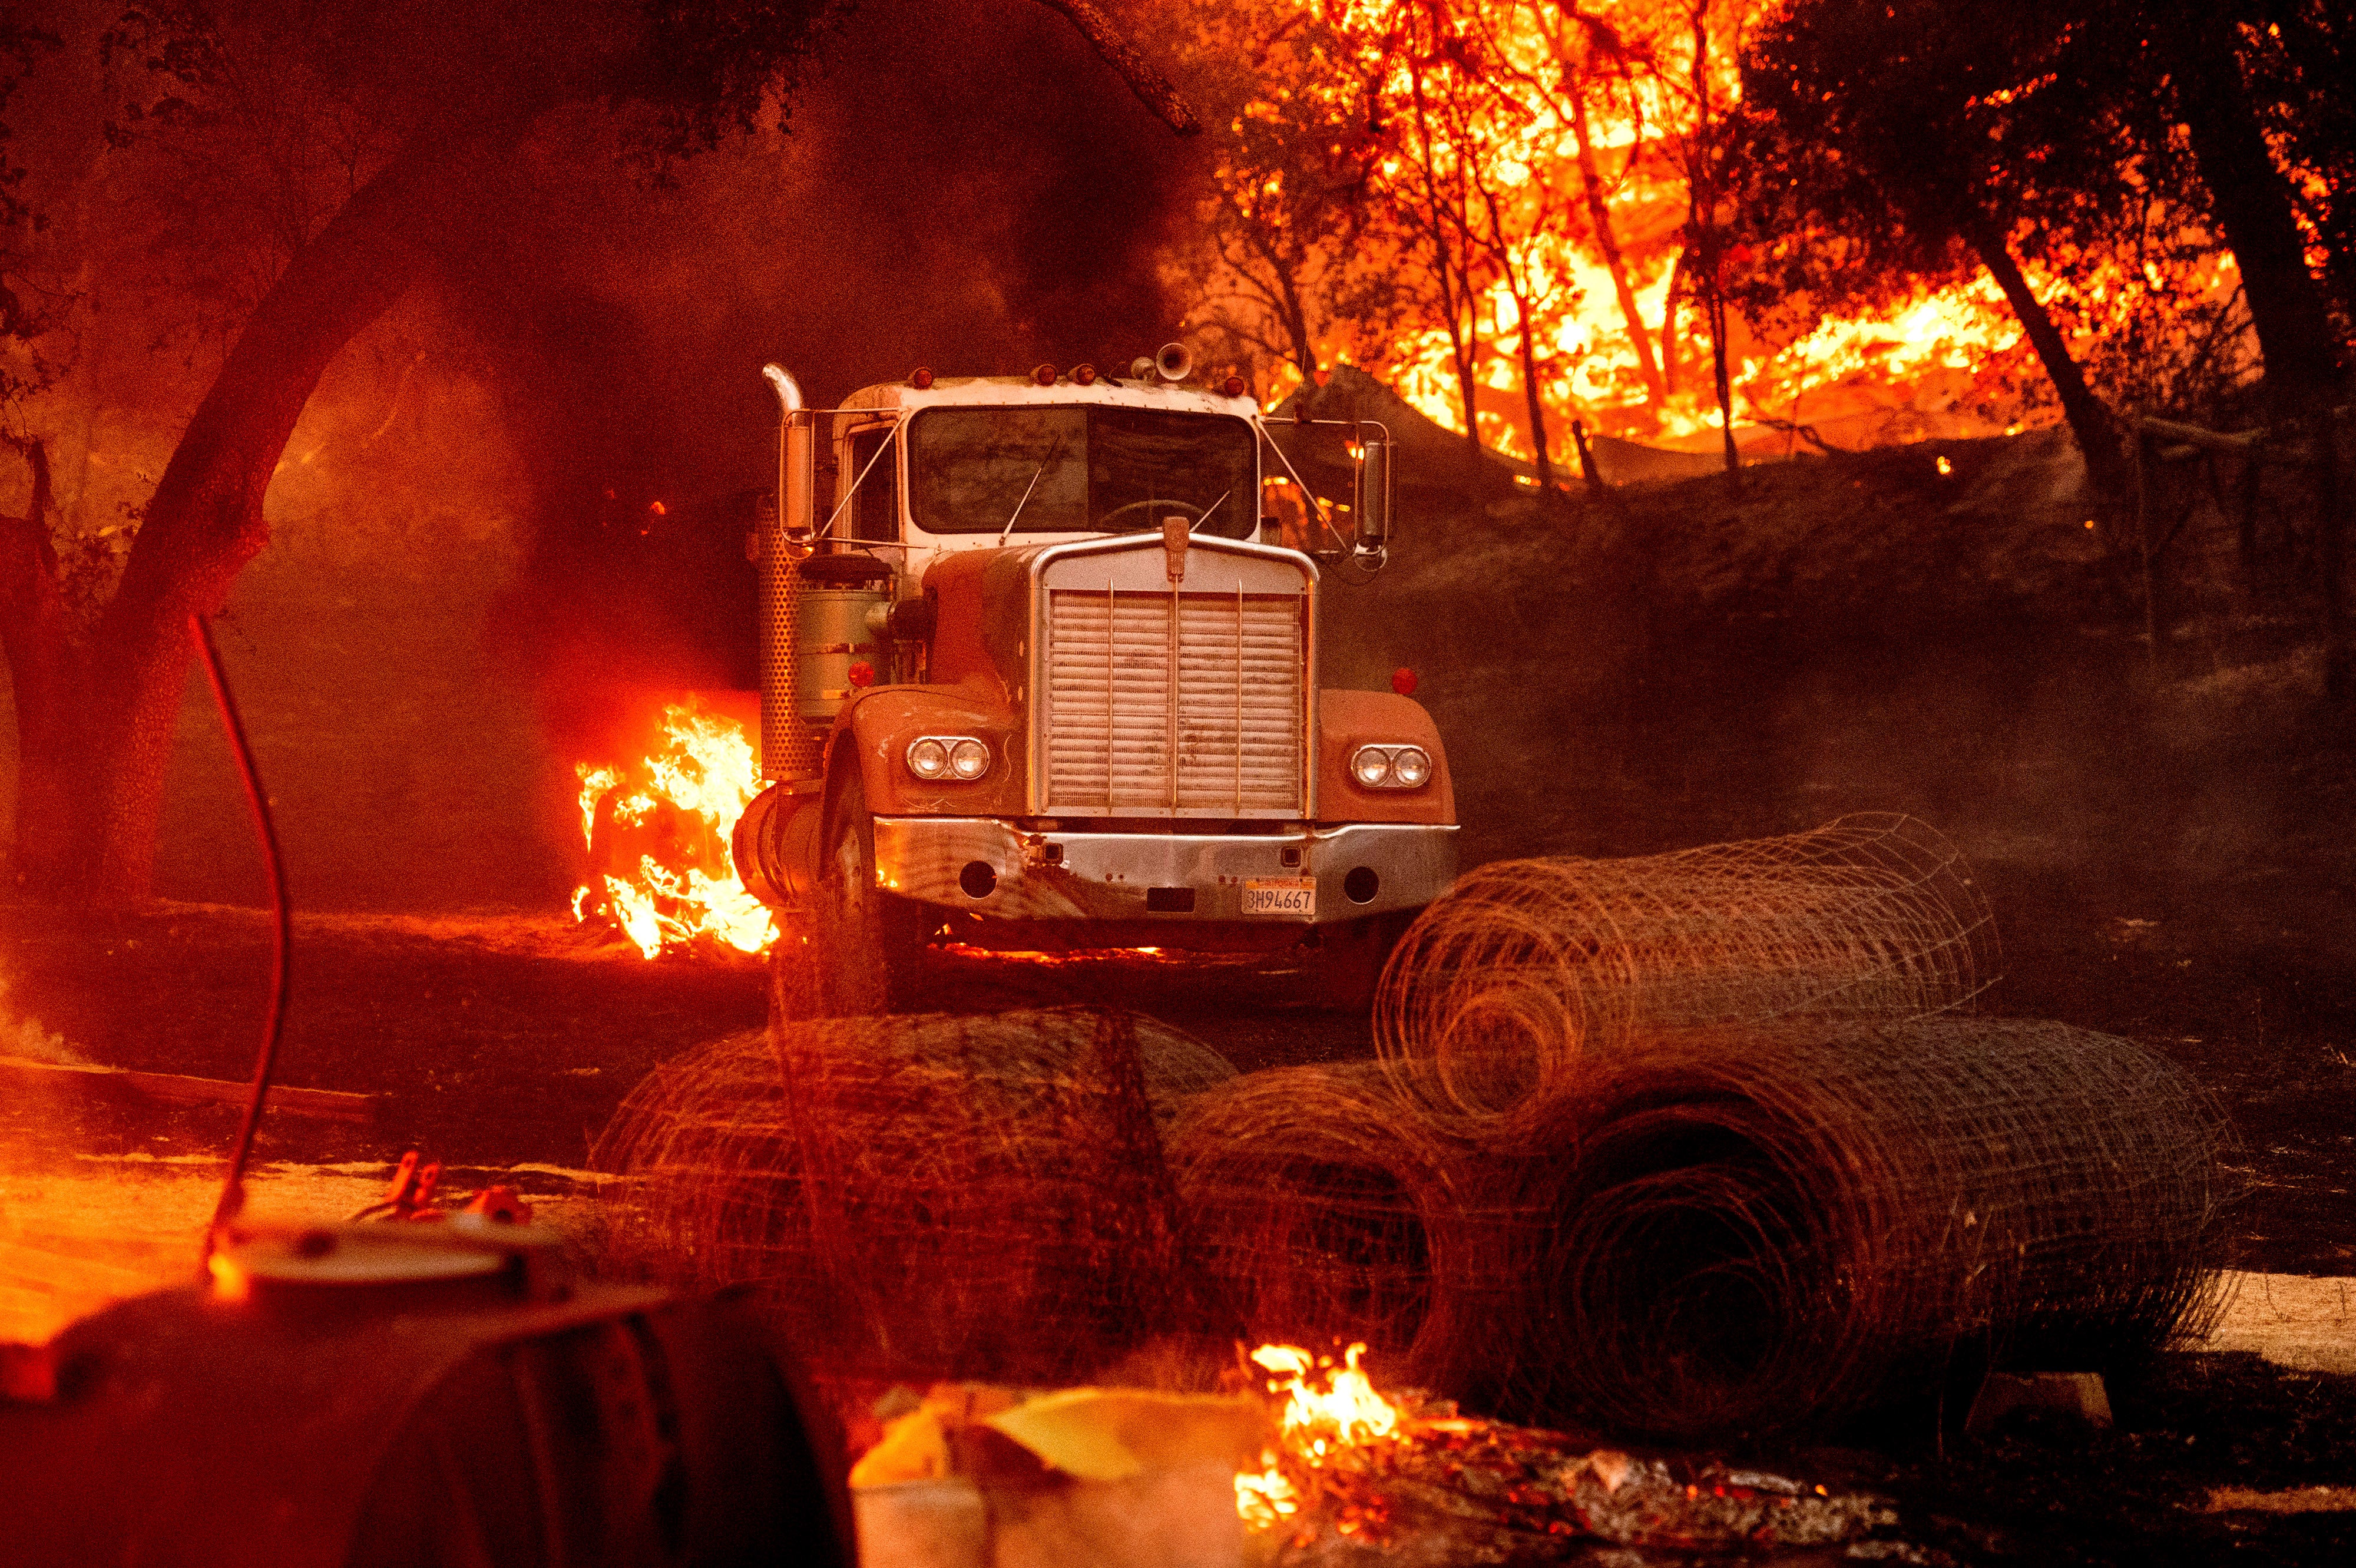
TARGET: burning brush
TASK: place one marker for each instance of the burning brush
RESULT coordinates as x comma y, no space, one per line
976,1473
1350,1470
657,830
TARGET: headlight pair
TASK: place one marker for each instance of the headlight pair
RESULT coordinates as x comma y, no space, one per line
959,758
1391,767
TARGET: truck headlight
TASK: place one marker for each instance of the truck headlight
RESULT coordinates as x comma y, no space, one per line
927,758
1391,767
959,758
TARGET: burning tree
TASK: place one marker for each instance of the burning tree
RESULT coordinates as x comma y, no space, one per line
368,137
1849,203
1887,144
1285,229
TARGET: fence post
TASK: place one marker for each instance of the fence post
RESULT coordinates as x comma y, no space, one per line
2245,537
2140,440
2328,556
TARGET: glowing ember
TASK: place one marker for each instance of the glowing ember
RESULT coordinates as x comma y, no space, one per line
1316,1424
670,815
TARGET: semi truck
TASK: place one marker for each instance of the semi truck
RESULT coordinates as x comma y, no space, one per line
1038,670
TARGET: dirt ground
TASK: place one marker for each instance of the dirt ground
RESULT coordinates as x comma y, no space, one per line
494,1041
501,1044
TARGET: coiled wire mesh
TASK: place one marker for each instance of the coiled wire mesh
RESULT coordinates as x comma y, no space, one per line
1744,1233
1505,986
926,1195
1326,1208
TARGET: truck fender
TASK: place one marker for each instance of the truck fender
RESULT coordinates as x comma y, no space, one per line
1347,720
873,732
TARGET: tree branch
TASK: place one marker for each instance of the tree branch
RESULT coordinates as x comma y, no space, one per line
1153,89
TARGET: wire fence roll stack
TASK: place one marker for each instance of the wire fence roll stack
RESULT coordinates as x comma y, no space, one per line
1698,1146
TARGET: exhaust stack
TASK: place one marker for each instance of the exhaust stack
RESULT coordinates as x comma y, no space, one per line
791,748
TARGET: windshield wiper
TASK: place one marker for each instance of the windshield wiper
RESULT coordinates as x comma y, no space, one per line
1024,502
1053,453
1214,506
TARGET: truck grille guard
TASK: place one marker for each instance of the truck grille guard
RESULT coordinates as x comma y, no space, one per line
1162,699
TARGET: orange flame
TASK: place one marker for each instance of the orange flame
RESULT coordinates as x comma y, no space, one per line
1316,1422
671,812
1948,362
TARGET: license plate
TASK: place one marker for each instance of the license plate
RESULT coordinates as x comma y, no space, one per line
1280,895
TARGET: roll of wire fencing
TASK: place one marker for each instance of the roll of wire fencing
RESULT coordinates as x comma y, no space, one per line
934,1195
1507,988
1326,1208
1737,1233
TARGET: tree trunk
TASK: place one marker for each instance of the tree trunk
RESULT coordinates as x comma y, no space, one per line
1536,405
1283,294
96,842
1714,307
1701,229
2090,421
1465,346
47,676
2252,203
1516,285
1464,342
1607,243
1296,327
1669,324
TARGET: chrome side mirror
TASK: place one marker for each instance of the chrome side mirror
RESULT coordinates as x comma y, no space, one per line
797,454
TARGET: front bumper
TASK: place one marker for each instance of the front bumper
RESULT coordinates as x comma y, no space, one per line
991,868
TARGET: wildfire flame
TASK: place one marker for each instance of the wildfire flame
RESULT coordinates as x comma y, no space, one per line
1316,1422
1948,362
671,812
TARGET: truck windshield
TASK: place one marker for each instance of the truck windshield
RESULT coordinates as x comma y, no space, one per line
1086,469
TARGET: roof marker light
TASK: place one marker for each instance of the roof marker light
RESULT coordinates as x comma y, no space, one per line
1084,375
921,378
1045,375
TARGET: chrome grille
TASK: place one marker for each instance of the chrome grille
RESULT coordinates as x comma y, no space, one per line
1135,679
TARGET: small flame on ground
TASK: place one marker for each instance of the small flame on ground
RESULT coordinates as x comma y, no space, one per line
704,769
1044,958
1346,1412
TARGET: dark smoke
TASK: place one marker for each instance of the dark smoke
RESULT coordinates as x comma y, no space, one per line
966,187
467,588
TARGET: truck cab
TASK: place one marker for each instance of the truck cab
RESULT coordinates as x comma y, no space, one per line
1036,672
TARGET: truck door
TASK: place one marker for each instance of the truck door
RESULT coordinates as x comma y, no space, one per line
874,512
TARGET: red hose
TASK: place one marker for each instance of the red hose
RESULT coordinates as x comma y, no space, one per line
233,1198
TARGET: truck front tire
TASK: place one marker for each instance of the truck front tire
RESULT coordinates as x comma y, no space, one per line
869,940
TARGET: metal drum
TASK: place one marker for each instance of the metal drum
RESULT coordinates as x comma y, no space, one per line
419,1395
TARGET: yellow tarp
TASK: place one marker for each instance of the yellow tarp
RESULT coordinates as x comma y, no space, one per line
1095,1435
